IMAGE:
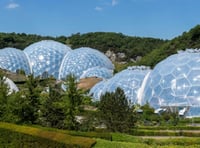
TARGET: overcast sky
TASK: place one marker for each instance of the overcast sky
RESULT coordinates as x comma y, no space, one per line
164,19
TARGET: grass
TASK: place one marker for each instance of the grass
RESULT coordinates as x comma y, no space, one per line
52,135
125,138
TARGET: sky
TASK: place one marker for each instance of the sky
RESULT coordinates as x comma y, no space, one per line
163,19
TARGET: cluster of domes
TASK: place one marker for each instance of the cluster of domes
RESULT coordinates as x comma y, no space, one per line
173,83
50,58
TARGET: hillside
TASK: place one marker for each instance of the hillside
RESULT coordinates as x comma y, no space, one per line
190,39
122,47
117,43
131,47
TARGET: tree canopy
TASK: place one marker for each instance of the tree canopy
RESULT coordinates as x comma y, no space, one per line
115,112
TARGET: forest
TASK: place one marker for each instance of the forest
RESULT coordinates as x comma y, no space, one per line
151,50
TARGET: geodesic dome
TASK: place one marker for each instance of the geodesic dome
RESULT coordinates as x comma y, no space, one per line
13,59
100,72
129,80
175,81
11,85
81,59
45,57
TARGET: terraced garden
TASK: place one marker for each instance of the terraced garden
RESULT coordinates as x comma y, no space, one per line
18,136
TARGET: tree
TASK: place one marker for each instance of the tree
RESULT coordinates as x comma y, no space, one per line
73,98
29,101
148,117
53,109
115,112
3,97
7,103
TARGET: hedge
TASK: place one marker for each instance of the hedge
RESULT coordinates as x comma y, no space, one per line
141,132
169,127
96,134
68,140
173,141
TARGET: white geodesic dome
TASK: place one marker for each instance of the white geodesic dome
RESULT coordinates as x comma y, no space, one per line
13,59
81,59
175,81
129,80
45,57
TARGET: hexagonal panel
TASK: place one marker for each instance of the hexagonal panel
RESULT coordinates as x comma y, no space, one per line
166,81
182,87
181,71
194,77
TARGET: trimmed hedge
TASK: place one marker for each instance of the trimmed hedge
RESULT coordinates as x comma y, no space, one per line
140,132
67,140
169,127
151,143
97,134
173,141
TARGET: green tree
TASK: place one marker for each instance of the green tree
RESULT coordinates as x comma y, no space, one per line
115,112
3,97
170,117
148,117
29,101
7,103
53,109
73,98
19,107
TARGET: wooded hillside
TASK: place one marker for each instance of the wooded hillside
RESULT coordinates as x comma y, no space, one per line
150,49
190,39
